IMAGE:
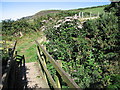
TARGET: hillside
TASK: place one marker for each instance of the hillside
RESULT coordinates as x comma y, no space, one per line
95,10
45,12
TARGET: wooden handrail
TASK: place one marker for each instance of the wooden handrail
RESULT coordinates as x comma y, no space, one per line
47,72
5,85
6,43
14,47
71,83
3,41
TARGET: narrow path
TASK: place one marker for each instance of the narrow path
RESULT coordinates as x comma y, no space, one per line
34,77
27,46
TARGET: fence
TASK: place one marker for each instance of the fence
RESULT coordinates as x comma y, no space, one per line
86,14
61,76
11,65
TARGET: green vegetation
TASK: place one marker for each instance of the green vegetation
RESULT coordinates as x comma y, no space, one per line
90,54
12,30
26,46
94,10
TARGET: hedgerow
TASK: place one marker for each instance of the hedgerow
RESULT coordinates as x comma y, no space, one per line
89,54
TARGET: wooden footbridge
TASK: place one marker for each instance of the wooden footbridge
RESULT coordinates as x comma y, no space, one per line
15,62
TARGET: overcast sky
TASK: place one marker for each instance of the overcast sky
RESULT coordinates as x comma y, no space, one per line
16,9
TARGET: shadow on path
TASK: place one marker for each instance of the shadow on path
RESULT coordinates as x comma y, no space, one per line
21,80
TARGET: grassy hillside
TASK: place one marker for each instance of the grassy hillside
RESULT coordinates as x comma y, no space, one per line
91,9
94,10
44,12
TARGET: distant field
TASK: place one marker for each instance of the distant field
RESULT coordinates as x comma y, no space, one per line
94,10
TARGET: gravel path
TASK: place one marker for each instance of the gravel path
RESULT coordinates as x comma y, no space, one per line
34,77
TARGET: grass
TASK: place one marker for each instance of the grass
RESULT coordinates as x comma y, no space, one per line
95,10
26,46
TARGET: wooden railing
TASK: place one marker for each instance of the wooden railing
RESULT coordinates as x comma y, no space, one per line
10,68
14,62
56,82
4,45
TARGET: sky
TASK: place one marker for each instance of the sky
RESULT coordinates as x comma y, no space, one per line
16,9
55,0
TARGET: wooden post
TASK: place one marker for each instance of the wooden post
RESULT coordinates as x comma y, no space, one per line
98,14
82,14
75,15
57,76
79,14
44,62
57,82
90,14
23,60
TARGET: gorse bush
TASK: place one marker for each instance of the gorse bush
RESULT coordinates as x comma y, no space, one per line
66,32
103,36
91,54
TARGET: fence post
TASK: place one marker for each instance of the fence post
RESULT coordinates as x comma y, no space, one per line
90,14
82,14
98,14
79,14
75,17
23,60
57,76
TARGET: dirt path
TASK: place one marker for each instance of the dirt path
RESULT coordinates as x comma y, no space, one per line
34,77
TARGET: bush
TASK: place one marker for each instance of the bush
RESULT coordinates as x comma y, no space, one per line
92,52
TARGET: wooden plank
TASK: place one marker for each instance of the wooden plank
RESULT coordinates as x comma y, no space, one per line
47,72
71,83
14,47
